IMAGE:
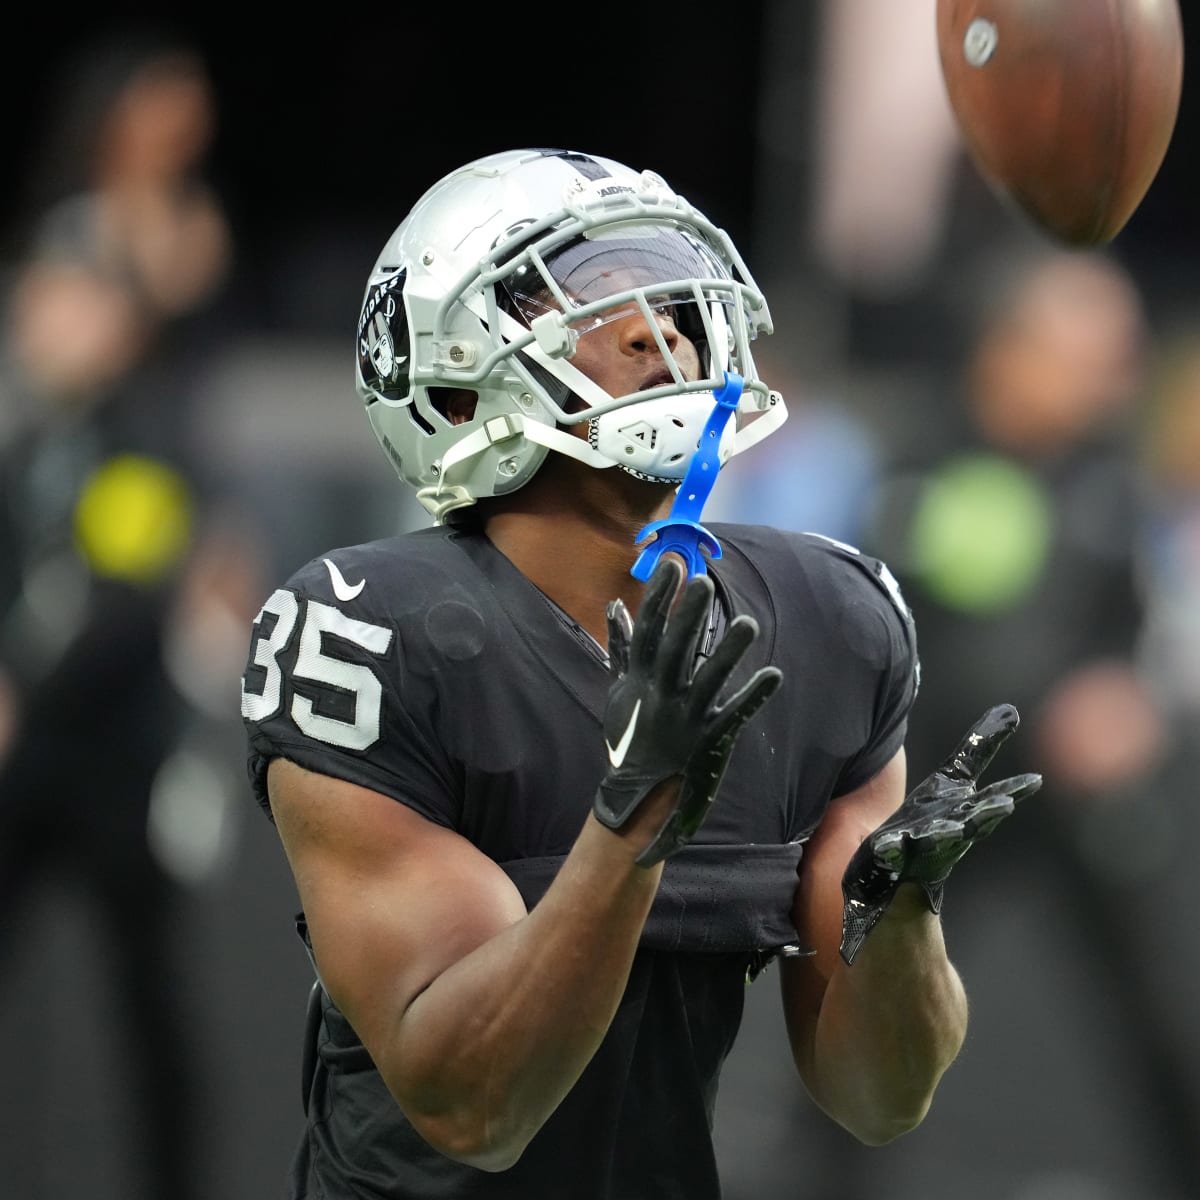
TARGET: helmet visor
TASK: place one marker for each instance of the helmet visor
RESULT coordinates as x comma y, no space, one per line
607,263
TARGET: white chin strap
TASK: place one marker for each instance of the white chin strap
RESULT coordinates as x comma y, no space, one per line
622,428
654,438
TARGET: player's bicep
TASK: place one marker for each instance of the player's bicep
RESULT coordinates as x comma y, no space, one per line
391,899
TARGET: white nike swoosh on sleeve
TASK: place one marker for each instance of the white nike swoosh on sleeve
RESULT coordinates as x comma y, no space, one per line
341,589
616,755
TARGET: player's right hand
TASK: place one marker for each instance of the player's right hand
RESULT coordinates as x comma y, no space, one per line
663,718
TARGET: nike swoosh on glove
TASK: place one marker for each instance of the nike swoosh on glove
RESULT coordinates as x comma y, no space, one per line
663,717
939,821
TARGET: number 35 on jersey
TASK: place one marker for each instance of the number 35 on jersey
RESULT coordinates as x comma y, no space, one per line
352,688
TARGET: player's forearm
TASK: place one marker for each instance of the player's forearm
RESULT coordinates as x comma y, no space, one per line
486,1053
889,1026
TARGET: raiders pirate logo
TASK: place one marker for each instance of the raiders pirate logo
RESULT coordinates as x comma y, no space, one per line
383,338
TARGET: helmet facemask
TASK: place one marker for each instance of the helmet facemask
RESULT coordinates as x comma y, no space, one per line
565,296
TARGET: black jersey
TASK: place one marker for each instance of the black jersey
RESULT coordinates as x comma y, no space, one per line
426,667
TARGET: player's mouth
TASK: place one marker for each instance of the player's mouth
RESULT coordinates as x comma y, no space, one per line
656,379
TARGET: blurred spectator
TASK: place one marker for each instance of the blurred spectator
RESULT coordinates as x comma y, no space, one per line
1017,525
1014,529
107,523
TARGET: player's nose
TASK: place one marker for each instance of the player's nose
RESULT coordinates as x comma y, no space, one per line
637,334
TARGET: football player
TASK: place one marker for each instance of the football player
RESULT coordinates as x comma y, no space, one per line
541,842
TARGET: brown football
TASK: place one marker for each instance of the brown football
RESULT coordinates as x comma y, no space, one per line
1066,106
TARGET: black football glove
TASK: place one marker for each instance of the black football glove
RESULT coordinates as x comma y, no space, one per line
663,719
939,821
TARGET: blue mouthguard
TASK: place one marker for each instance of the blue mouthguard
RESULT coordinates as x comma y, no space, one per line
681,532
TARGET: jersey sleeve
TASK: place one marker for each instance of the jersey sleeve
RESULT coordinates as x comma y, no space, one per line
879,623
326,686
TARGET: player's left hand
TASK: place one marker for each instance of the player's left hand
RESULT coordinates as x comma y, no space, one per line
939,821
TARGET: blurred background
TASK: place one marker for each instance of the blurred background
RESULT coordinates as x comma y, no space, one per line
189,217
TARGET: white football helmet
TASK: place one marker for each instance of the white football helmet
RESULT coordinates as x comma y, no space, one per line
483,292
